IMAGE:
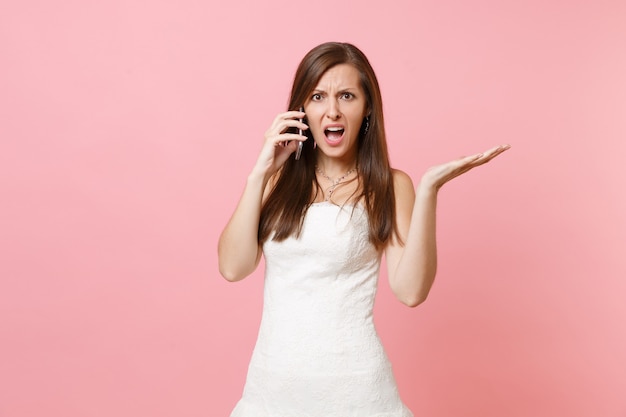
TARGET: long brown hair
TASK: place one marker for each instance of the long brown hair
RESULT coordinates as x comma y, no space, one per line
292,194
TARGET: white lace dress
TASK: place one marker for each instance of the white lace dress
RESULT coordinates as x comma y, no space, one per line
318,353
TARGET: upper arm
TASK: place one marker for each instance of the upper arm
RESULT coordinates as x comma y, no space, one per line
404,199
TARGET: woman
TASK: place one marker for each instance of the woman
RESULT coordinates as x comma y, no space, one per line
322,222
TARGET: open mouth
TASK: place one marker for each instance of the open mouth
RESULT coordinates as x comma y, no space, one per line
334,134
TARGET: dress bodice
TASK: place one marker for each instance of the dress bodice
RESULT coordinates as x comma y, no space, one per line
319,293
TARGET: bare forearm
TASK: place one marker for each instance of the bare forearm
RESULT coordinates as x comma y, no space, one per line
415,272
238,247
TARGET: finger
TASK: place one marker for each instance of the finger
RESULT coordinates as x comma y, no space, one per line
288,137
284,125
469,162
452,167
497,150
294,114
290,115
492,153
488,155
288,146
468,159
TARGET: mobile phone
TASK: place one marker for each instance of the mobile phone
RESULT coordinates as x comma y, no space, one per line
300,144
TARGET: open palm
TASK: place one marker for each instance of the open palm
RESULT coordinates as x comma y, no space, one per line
438,175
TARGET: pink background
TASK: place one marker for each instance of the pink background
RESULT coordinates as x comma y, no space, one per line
128,128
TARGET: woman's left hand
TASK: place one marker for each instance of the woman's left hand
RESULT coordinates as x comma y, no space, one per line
438,175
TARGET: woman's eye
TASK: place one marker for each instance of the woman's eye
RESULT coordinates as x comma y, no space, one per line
347,96
316,97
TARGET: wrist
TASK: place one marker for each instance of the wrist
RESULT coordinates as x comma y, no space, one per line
257,177
427,188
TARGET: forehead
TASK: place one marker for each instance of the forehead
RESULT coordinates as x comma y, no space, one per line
340,76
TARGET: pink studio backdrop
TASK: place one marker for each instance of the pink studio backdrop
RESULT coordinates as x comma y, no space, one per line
128,128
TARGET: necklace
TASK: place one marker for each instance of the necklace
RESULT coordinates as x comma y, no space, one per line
334,183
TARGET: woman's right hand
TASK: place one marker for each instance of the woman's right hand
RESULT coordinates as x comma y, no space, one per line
279,144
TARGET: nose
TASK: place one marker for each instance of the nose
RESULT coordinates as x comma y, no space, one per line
333,112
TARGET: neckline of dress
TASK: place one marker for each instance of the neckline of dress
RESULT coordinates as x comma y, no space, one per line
330,203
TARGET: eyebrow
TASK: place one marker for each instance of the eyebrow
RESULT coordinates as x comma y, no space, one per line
342,90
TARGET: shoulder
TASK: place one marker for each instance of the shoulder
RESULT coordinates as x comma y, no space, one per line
402,184
404,199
